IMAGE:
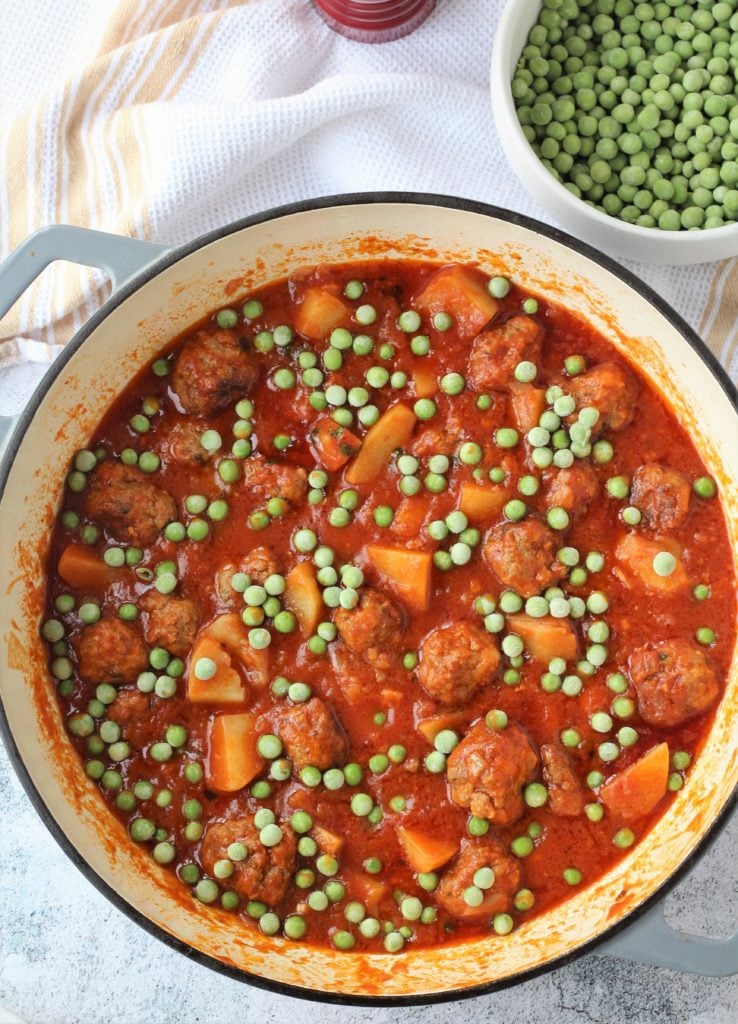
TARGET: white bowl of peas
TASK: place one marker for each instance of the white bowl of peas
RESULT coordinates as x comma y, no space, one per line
621,120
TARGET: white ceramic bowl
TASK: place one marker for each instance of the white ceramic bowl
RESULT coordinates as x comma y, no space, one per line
614,236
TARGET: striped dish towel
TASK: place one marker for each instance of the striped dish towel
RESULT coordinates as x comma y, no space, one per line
163,119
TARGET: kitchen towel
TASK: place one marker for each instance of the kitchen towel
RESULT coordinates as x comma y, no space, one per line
163,119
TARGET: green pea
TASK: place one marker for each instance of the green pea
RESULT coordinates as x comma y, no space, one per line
452,383
141,829
506,437
623,838
704,487
425,408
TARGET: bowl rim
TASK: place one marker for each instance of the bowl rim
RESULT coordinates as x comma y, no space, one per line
502,94
6,462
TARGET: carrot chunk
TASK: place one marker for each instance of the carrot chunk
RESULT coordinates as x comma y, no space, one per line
408,571
545,638
81,568
459,291
392,430
528,405
318,313
636,555
303,596
636,790
424,852
480,503
233,760
332,444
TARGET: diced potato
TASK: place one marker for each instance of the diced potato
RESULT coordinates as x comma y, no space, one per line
636,554
368,889
318,313
230,631
81,568
458,290
636,790
224,641
225,687
303,596
392,430
410,516
408,571
480,503
233,760
426,853
429,728
545,638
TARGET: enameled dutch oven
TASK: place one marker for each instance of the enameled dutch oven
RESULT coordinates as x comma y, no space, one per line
161,292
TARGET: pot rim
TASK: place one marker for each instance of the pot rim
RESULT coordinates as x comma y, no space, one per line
6,462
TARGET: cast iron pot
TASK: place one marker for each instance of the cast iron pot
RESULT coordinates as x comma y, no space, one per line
160,292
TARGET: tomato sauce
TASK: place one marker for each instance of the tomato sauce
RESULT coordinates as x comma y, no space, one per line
377,709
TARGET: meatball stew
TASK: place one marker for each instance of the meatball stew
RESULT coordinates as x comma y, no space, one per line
389,607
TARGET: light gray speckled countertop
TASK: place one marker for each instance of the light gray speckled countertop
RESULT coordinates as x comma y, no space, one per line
67,956
70,957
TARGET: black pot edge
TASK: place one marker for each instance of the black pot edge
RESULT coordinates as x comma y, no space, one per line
320,203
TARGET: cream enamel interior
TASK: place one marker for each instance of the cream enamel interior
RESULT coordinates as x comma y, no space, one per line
128,337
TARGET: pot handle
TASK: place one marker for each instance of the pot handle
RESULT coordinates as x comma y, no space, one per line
650,940
120,257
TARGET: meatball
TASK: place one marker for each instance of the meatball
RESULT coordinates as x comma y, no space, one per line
259,564
674,681
610,389
460,876
170,622
572,489
456,662
212,370
496,353
435,441
488,770
110,652
662,496
373,628
566,796
129,708
313,735
265,873
523,556
126,502
182,444
274,479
